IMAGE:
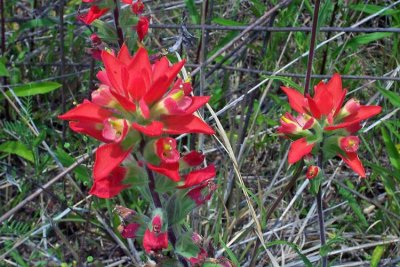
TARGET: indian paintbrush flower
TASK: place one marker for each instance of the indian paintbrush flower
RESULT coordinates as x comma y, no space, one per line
322,119
126,107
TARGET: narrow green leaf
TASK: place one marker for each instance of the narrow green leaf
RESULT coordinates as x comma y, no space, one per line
17,148
377,255
393,97
372,9
325,13
287,81
226,22
31,89
230,253
194,14
392,151
367,38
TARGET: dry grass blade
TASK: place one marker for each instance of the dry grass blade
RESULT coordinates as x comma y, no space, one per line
231,155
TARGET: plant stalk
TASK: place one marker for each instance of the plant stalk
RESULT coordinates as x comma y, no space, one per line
320,211
312,47
157,203
321,225
117,26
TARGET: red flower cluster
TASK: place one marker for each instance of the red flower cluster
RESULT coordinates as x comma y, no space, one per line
137,100
137,7
322,119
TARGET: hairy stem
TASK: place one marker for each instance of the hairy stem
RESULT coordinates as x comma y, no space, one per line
152,186
157,203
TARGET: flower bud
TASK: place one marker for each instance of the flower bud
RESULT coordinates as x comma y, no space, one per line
175,103
291,125
166,150
96,41
128,231
312,172
349,143
351,107
142,27
137,7
103,97
156,237
115,129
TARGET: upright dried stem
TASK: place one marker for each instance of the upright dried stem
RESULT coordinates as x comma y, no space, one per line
117,26
62,66
321,213
320,155
3,52
312,47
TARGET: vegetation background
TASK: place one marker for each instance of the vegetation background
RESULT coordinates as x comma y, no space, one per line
47,217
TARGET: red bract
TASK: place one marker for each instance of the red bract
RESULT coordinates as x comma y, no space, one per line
200,258
193,158
142,27
154,242
198,177
130,230
202,193
323,115
94,13
111,185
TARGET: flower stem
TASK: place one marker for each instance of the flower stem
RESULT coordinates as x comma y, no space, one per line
157,203
321,225
117,26
152,186
321,214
